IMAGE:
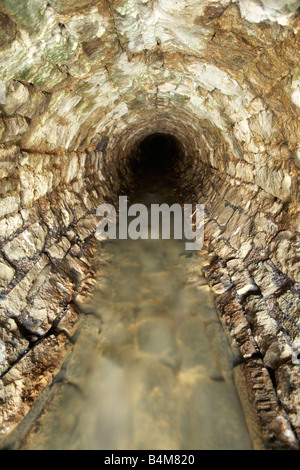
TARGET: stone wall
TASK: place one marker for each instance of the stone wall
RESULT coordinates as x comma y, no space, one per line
253,274
82,83
45,251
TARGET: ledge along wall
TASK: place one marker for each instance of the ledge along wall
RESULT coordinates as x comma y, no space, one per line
82,83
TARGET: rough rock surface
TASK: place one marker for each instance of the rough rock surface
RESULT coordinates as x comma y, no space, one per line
81,84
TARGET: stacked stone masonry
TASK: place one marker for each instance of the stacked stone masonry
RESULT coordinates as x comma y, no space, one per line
82,83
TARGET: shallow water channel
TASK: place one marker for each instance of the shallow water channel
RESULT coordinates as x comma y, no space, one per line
151,368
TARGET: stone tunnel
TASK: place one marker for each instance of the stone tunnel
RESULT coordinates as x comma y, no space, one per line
83,83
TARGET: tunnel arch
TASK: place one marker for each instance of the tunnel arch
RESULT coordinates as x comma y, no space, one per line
80,89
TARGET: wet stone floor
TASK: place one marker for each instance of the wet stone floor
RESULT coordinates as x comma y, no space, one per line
151,367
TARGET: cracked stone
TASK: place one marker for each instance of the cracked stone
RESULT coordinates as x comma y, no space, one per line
6,273
27,244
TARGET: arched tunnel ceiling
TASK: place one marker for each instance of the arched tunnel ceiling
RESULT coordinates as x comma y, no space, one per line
72,72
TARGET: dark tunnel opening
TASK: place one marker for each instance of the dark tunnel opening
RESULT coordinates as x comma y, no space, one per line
156,157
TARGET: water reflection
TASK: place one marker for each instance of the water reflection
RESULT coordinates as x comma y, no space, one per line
151,368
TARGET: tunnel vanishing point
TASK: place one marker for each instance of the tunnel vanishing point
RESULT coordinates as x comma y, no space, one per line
83,85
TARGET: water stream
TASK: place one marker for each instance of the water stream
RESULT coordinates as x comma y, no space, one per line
151,368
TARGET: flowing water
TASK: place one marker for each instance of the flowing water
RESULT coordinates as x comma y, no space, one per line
151,368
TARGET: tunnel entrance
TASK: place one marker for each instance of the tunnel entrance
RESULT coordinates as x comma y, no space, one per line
151,367
158,153
94,106
155,157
